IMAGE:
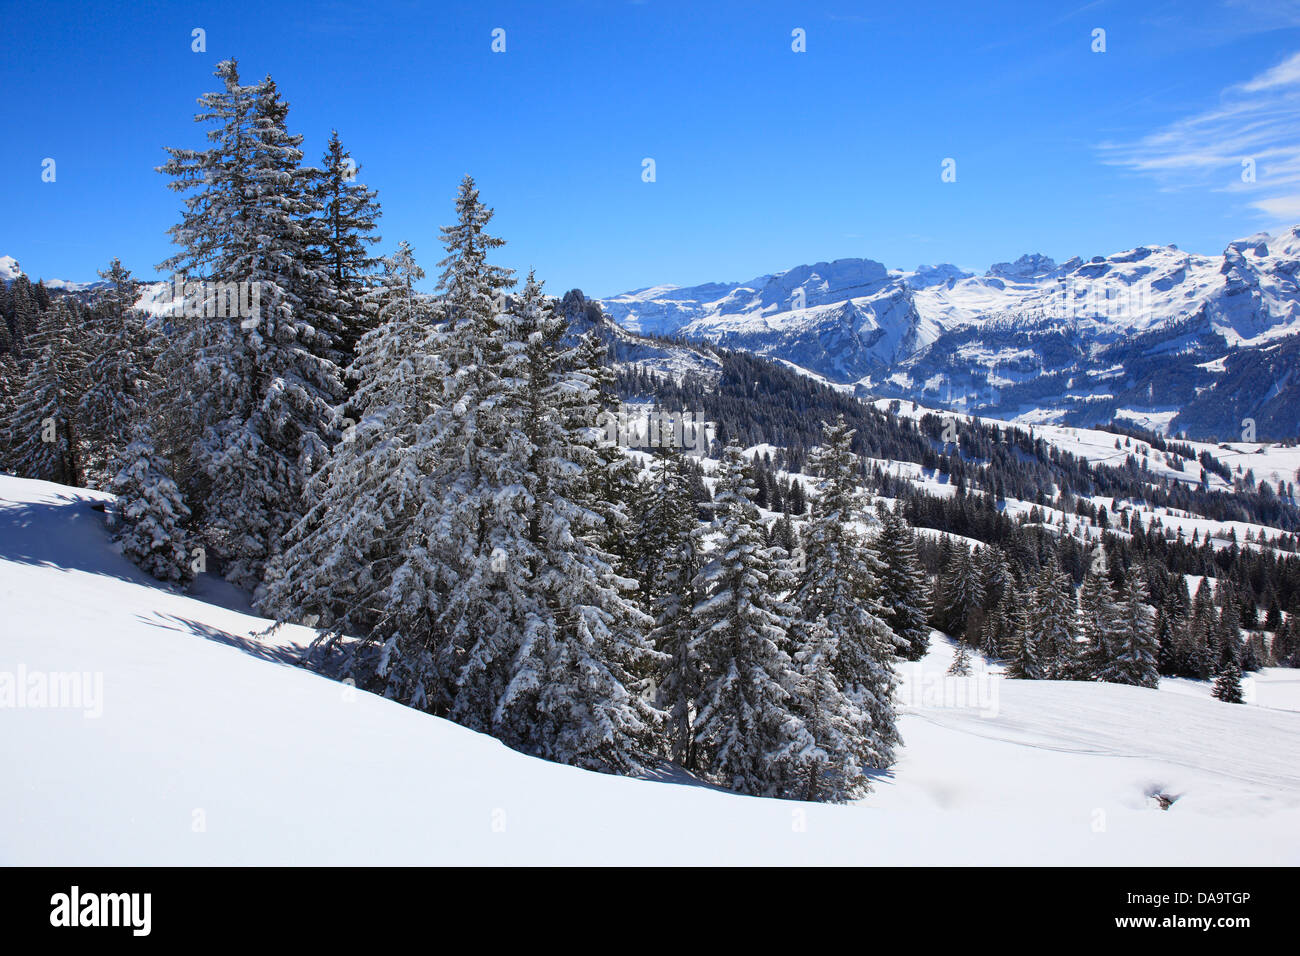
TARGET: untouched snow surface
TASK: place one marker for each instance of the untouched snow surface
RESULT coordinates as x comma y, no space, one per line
210,746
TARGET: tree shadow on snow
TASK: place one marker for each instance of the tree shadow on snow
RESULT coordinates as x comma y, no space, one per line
877,777
72,534
68,534
249,645
667,772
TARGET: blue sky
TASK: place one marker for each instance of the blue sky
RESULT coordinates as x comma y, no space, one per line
765,158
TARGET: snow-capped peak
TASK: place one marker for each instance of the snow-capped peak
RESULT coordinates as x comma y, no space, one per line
1031,265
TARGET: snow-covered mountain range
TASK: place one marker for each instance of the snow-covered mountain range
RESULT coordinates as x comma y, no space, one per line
1173,340
1169,340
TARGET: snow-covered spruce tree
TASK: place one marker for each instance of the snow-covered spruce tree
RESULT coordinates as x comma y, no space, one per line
903,586
472,524
1173,654
1009,620
748,730
839,590
1185,658
1130,649
1053,623
662,514
611,487
117,372
10,382
963,593
960,666
259,387
1201,632
531,638
1025,659
43,425
338,568
1098,619
995,575
1288,650
343,229
572,695
420,518
1227,635
783,534
938,603
995,626
150,510
8,341
672,542
1227,686
832,770
472,289
27,307
1254,654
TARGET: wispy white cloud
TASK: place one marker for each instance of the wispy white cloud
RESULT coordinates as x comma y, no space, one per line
1286,73
1249,143
1285,208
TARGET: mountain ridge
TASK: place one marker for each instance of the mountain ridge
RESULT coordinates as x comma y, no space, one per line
1076,342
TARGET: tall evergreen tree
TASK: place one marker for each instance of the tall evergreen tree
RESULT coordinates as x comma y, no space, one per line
960,666
832,769
1026,659
46,440
1286,643
1227,635
1202,633
612,480
963,589
1005,627
750,736
839,591
1099,617
1173,656
573,695
259,387
338,568
151,511
344,229
1053,624
903,584
1130,651
474,520
672,541
10,383
117,371
1227,686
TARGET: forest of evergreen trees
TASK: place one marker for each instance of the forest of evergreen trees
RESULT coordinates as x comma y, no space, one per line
1046,602
425,480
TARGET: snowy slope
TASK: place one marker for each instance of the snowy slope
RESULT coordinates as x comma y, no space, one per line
210,747
1270,461
1273,463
